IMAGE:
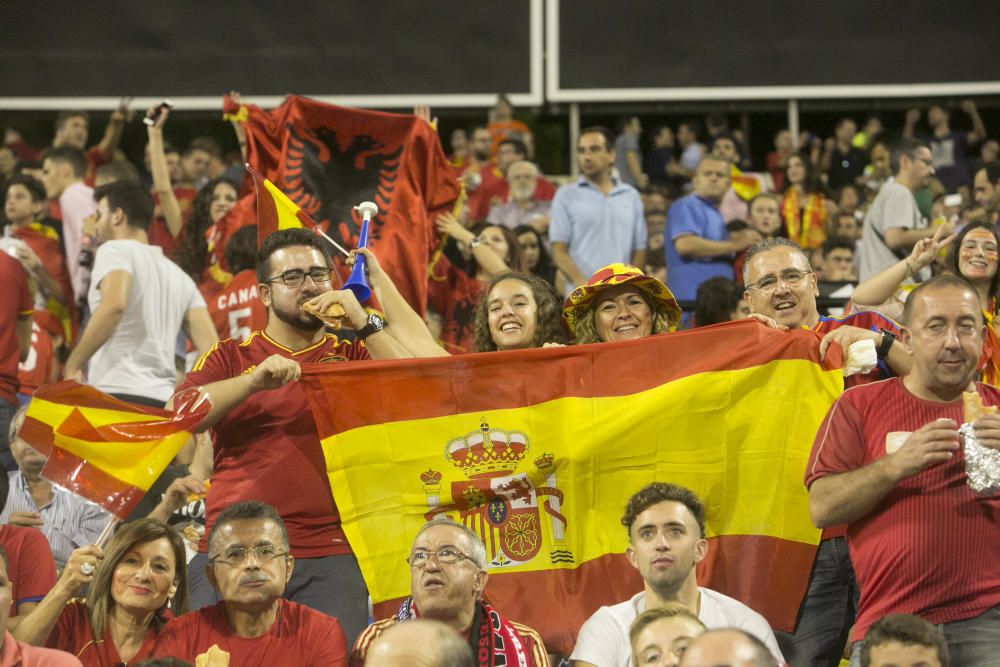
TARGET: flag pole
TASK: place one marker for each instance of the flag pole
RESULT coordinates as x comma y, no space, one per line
108,531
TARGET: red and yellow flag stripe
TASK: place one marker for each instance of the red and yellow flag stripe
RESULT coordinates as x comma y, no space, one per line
728,411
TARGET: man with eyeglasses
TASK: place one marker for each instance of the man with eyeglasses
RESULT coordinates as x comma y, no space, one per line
781,290
266,446
250,565
447,577
893,223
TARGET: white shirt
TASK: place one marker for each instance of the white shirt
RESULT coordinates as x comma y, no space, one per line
76,203
603,639
138,358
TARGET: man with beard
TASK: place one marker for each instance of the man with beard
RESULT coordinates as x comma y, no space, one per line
447,577
666,530
525,207
266,444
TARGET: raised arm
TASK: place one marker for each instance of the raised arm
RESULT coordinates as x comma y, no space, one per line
162,186
404,324
113,132
978,127
488,261
35,627
883,285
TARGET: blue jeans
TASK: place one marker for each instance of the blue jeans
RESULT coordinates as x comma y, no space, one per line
7,411
974,641
827,612
330,584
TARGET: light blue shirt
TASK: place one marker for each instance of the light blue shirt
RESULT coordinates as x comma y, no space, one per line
692,215
599,229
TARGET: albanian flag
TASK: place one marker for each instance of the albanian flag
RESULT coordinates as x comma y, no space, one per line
327,159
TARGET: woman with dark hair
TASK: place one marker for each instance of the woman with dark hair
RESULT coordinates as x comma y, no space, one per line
535,258
517,311
137,583
803,205
620,302
211,204
453,292
974,256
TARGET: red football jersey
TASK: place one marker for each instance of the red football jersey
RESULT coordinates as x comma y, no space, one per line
237,310
30,566
73,633
267,448
930,547
300,636
37,369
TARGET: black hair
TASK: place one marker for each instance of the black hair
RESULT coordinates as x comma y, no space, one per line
717,298
286,238
659,492
70,155
248,509
609,137
132,198
241,249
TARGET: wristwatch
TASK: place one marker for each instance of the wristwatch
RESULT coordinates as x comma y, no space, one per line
882,351
374,325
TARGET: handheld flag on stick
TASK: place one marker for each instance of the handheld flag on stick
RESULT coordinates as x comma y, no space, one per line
102,449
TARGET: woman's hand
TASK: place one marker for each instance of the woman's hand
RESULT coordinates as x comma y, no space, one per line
925,250
80,569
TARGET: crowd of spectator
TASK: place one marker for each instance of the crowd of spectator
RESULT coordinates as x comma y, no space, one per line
878,238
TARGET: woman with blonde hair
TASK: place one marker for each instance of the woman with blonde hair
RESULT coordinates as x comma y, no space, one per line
620,302
137,583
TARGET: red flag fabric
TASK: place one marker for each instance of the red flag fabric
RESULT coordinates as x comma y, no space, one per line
328,159
102,449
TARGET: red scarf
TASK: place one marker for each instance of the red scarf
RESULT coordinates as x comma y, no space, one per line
493,639
805,227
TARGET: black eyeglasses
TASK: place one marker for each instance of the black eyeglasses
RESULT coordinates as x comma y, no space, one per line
295,277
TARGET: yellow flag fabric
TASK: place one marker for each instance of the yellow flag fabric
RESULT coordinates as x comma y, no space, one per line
538,451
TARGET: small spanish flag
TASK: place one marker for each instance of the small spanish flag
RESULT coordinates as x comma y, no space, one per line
102,449
275,211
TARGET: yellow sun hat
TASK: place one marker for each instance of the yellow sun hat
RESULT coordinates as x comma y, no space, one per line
614,275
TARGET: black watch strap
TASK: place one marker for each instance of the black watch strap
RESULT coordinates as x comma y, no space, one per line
886,344
374,325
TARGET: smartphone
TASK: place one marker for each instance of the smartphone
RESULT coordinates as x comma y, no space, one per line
151,117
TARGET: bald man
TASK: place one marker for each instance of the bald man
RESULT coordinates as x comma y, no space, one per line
420,643
727,648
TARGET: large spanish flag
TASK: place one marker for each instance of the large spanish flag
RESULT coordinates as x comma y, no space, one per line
538,451
107,451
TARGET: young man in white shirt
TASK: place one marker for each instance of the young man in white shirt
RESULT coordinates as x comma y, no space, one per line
139,301
666,528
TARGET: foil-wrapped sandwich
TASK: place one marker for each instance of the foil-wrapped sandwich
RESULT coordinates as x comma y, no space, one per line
982,464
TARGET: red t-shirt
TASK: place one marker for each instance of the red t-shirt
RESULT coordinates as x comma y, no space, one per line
237,309
267,448
19,654
30,566
453,294
300,636
931,547
36,370
15,303
159,234
73,633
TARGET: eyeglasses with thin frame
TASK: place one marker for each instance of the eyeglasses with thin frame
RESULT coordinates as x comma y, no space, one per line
295,277
233,556
769,283
444,556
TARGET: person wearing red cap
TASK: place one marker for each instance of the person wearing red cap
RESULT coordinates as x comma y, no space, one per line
620,302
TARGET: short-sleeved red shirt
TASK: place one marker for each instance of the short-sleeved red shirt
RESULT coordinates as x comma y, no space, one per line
300,636
931,547
267,448
37,369
15,303
74,634
237,310
30,565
